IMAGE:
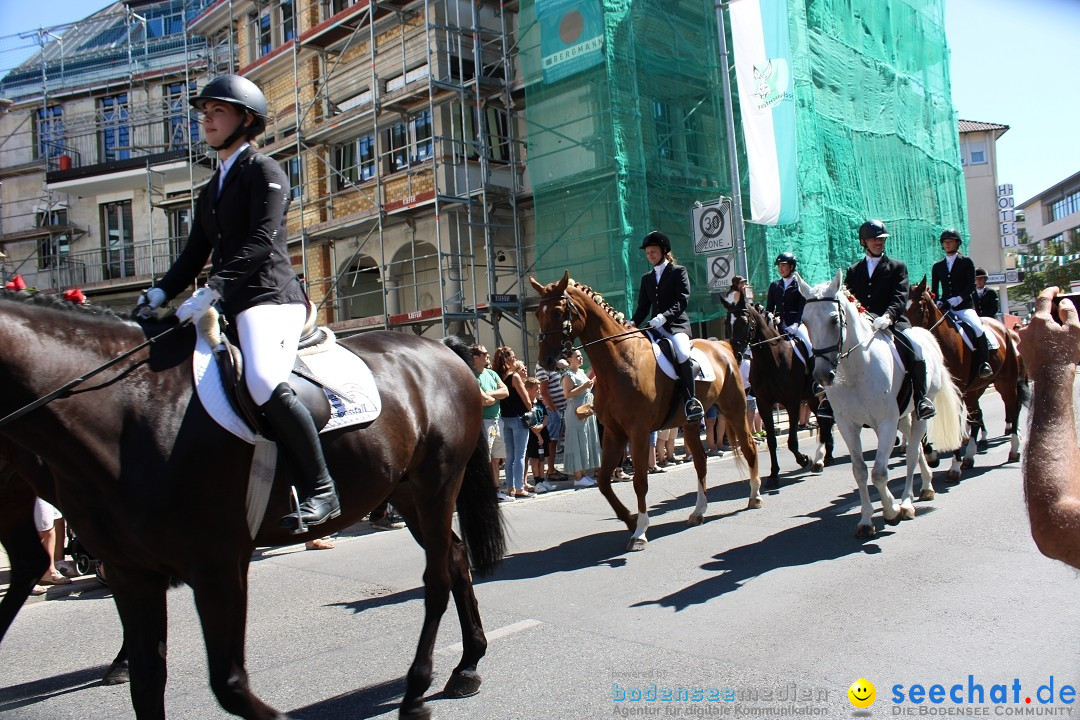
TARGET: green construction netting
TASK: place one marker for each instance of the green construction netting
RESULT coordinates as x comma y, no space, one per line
626,130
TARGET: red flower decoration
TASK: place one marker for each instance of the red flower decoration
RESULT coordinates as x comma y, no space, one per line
862,309
933,295
75,295
16,283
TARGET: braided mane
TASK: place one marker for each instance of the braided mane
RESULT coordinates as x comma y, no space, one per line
617,315
57,302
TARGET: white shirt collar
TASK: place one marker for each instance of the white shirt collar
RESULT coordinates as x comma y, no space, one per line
659,269
871,264
950,259
788,280
228,163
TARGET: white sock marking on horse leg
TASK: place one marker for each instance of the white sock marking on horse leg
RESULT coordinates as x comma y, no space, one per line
702,501
642,526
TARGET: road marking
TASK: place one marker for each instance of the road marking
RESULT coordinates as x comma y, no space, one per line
495,634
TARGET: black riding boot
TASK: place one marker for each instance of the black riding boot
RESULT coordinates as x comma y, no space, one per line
982,354
924,408
295,431
693,408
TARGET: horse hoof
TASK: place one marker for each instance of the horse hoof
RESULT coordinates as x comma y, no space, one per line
817,468
933,460
803,460
772,483
637,544
462,684
967,464
895,520
829,460
420,712
907,513
865,532
926,496
1014,457
117,674
695,520
754,504
983,445
952,476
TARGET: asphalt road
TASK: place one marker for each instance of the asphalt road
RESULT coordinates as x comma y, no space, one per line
770,613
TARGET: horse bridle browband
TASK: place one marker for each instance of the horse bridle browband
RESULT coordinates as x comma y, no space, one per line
838,347
567,327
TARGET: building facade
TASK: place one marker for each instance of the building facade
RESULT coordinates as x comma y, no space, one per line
978,153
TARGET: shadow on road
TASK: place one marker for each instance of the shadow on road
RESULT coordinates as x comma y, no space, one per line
14,697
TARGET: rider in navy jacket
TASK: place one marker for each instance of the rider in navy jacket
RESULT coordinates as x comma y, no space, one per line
665,295
880,284
954,285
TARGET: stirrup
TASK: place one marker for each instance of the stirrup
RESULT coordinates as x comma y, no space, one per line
925,409
301,526
824,410
694,410
985,370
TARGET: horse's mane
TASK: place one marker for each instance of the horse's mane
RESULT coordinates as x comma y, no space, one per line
56,302
596,297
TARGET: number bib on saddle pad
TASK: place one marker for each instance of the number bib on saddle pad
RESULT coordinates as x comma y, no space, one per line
358,403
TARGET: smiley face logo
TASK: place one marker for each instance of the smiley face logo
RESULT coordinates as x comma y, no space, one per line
862,693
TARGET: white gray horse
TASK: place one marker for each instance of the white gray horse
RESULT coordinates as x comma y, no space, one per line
862,378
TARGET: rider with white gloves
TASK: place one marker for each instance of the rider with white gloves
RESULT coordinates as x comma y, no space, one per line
880,284
239,226
665,294
954,286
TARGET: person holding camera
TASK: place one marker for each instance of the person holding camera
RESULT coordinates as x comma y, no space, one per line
1051,348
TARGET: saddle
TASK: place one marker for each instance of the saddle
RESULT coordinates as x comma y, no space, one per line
966,330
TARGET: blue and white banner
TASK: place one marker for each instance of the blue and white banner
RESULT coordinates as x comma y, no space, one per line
762,47
571,36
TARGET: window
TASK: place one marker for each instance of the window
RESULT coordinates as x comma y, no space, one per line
118,240
287,13
411,142
354,162
116,132
179,230
53,250
665,130
1064,207
182,125
337,6
495,126
266,37
163,19
977,153
49,130
292,171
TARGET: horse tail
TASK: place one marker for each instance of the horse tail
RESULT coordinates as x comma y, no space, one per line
1023,382
946,429
478,512
460,347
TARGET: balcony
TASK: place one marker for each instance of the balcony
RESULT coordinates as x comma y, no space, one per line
136,265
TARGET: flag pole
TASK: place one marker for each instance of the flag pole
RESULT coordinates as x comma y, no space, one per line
738,229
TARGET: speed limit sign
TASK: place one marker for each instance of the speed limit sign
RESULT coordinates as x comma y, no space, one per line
712,226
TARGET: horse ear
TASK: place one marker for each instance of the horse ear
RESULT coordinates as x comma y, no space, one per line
561,285
536,286
837,281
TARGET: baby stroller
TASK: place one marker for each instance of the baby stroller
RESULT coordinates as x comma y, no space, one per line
85,563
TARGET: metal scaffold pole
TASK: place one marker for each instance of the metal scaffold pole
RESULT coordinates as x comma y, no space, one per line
738,228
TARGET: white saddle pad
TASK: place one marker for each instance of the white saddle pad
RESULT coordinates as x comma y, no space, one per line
328,361
705,371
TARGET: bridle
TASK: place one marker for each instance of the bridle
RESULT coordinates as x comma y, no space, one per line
566,328
835,350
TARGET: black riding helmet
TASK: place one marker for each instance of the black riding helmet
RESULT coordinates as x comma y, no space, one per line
240,92
980,272
951,234
657,238
786,257
872,229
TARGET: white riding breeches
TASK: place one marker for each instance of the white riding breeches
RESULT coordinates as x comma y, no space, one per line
680,342
971,317
799,330
268,338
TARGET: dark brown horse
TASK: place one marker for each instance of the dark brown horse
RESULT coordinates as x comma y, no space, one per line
157,488
634,397
26,557
1009,377
778,376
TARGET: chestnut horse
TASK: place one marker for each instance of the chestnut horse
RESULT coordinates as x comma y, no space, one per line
157,488
634,397
1009,377
778,376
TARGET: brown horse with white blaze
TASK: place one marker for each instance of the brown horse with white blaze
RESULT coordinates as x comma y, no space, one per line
1008,376
634,397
